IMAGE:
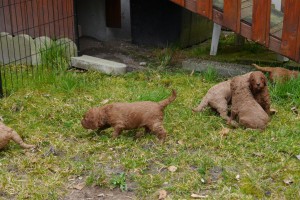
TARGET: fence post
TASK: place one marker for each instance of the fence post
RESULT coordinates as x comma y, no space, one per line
1,88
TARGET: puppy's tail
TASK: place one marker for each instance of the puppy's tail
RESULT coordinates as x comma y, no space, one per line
263,69
167,101
201,106
15,137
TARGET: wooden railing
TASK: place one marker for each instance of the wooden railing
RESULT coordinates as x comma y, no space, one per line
259,29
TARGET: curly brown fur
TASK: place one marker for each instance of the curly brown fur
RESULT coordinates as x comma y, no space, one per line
7,134
250,114
259,90
278,73
125,116
217,97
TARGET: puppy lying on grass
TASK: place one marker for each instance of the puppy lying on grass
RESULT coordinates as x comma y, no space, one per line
244,106
278,73
126,116
7,134
219,96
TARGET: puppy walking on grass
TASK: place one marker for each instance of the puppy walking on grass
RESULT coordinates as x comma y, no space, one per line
7,134
126,116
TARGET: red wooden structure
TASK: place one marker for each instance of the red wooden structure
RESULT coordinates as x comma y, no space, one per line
38,18
255,20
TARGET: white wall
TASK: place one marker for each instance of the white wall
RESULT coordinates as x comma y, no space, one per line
92,20
277,4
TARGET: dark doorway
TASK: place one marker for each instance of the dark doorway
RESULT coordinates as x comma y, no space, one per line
113,13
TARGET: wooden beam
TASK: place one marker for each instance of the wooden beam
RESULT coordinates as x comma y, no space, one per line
261,28
289,44
204,7
179,2
232,14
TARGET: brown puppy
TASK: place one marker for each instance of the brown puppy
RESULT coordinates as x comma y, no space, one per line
259,90
217,97
125,116
278,73
7,134
249,112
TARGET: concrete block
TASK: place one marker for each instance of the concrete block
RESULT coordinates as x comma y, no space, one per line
98,64
223,69
6,48
42,44
69,46
24,47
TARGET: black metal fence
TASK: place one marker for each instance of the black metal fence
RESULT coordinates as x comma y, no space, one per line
35,36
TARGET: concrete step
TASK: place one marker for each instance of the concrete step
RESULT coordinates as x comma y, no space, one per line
98,64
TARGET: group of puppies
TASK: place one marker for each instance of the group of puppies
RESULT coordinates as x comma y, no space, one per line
249,98
248,95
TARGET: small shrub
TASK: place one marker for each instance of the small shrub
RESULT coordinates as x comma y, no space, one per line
54,56
210,75
119,181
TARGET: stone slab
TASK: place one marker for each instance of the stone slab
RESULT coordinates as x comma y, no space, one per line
42,44
223,69
98,64
6,49
24,47
69,47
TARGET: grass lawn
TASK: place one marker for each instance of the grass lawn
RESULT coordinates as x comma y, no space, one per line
244,164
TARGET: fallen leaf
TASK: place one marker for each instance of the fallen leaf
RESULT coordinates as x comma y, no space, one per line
104,101
180,142
80,186
191,74
197,196
258,154
294,110
100,195
162,194
273,111
172,168
224,131
288,181
298,156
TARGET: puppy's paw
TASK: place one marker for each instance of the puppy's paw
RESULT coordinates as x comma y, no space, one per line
233,124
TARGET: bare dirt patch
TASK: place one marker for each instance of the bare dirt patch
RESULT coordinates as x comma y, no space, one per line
135,57
99,194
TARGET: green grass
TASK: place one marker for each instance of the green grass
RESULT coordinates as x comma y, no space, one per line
47,113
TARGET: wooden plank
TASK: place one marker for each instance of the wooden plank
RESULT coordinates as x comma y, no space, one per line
291,18
179,2
246,30
5,20
232,14
204,7
274,44
297,58
217,16
191,5
261,28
